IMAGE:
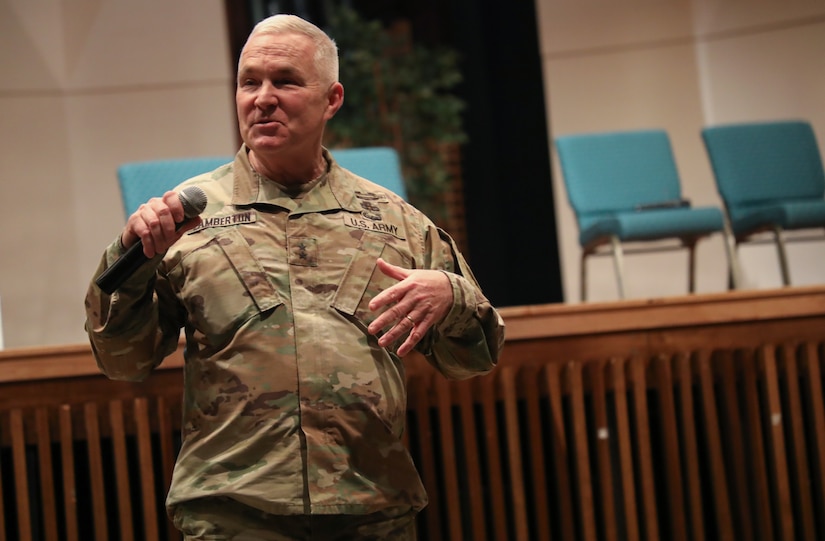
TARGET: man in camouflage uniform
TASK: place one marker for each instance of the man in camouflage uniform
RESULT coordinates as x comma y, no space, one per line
300,288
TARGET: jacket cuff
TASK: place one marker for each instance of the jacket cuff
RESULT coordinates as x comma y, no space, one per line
465,303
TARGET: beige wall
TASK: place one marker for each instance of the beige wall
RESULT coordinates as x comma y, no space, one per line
87,85
91,84
681,65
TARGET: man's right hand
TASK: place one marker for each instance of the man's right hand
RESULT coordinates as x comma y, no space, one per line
154,223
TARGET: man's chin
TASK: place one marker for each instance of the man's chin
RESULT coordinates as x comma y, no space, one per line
266,143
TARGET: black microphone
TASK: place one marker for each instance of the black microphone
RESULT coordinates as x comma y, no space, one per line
193,200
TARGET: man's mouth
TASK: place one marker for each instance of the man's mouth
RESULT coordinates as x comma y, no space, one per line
267,125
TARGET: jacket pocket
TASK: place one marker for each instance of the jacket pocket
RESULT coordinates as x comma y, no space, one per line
223,285
362,280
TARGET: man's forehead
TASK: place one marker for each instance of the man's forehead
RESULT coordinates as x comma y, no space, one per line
277,46
281,41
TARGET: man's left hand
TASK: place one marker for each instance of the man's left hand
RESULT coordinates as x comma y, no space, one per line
418,301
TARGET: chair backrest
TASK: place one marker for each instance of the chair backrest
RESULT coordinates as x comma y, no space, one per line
140,181
378,164
617,171
765,162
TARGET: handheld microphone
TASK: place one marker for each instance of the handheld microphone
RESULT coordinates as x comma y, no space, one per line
193,200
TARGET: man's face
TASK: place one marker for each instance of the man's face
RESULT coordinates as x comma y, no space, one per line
281,99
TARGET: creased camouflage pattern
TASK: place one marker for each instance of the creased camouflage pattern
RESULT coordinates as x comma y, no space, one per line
290,406
223,518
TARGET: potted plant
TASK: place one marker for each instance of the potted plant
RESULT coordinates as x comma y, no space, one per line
398,94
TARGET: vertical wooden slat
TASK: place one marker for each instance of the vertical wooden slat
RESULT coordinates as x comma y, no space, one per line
816,414
147,469
647,483
672,458
121,458
420,395
3,510
448,458
797,422
68,467
735,441
561,451
777,443
96,484
405,439
603,453
761,492
716,458
474,490
537,455
492,437
21,483
623,437
584,480
167,456
508,386
48,505
690,449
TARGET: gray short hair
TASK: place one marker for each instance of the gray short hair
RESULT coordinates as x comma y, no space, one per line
326,51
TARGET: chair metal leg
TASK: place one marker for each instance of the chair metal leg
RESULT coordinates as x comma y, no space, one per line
583,277
734,270
733,282
691,248
618,257
783,258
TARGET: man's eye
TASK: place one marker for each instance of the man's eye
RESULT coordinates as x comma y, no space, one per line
249,82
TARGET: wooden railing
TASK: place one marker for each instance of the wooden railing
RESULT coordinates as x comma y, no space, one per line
696,417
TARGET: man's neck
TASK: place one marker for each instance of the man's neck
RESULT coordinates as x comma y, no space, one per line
289,172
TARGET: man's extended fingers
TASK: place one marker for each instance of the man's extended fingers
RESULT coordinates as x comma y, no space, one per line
404,326
393,271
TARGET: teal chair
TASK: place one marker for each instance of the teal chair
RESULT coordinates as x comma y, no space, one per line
140,181
771,179
624,188
378,164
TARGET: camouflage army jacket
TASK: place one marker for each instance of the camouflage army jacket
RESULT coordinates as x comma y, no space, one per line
290,405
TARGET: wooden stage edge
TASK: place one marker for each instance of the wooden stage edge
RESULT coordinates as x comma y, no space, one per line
545,321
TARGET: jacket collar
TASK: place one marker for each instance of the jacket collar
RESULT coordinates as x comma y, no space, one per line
335,191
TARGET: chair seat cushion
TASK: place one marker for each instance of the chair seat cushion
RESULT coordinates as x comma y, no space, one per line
652,224
787,215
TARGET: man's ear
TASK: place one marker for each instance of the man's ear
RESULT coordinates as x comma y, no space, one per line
335,99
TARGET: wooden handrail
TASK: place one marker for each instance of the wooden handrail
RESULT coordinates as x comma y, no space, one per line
563,320
68,361
546,321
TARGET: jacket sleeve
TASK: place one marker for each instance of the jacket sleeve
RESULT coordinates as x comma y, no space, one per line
469,340
127,335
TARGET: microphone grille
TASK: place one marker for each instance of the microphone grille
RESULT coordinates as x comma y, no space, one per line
193,200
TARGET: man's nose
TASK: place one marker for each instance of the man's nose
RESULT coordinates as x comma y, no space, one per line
267,96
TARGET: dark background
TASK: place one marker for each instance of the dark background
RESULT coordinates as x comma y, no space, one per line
506,173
